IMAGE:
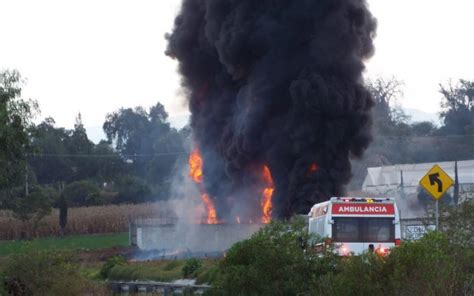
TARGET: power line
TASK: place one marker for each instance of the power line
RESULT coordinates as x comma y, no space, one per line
424,137
126,156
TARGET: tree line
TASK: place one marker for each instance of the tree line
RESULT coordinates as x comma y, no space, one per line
398,140
46,166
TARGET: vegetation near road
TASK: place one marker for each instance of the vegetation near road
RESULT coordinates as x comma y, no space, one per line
162,270
45,273
273,262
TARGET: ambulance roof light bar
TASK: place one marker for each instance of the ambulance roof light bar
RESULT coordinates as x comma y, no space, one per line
362,199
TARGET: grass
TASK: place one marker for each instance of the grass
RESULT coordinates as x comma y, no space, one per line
73,242
164,271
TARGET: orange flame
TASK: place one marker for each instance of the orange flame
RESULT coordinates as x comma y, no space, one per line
211,210
312,169
267,196
195,172
195,166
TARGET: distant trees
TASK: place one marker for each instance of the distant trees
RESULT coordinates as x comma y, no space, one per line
457,108
388,118
398,141
82,193
146,139
133,165
67,155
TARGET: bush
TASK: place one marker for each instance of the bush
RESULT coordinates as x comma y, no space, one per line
458,223
132,190
191,266
272,262
208,276
42,273
431,266
110,263
83,193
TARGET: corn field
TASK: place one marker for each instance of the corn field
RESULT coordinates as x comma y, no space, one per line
82,220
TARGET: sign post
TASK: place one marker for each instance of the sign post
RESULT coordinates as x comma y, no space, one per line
436,182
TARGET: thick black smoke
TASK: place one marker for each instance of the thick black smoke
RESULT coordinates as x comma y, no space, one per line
276,82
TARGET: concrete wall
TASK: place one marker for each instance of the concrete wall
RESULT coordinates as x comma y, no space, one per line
413,229
194,238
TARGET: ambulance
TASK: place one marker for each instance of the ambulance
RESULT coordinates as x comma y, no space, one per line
356,224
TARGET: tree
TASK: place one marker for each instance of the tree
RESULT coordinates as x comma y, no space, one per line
424,128
78,144
389,119
32,206
132,190
458,108
68,155
15,119
109,164
50,142
82,193
146,139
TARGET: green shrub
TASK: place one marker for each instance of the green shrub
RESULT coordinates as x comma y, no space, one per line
191,266
110,263
154,271
172,265
272,262
42,273
207,276
431,266
83,193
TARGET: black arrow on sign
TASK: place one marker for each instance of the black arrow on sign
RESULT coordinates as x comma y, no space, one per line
434,178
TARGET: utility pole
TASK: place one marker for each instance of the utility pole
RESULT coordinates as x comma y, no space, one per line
402,191
26,178
456,184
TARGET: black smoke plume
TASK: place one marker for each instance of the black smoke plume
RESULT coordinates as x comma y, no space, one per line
277,83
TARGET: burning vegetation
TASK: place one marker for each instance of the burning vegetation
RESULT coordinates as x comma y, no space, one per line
277,99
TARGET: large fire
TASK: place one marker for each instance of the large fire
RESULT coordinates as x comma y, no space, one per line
195,172
267,194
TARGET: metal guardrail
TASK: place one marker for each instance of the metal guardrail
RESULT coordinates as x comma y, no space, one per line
160,288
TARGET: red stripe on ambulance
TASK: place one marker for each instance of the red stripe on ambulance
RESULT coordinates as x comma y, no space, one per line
363,209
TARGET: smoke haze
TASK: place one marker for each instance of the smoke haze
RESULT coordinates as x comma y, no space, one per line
275,83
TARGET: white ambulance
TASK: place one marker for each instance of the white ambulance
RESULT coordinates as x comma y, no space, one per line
356,225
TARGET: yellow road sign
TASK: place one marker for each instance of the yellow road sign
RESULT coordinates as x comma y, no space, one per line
436,182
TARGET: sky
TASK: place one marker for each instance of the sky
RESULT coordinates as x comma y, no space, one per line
95,56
